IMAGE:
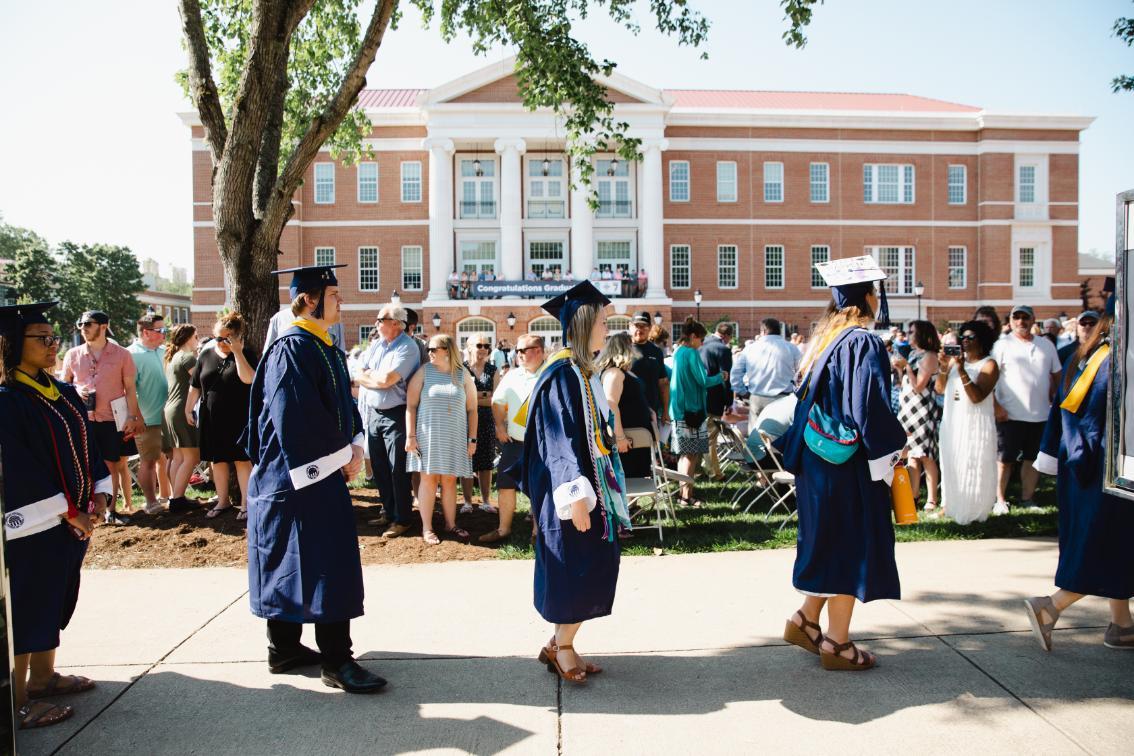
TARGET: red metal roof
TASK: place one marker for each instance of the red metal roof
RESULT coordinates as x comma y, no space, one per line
388,98
724,99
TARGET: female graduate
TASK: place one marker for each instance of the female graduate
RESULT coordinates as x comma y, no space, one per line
570,472
845,546
1095,529
55,491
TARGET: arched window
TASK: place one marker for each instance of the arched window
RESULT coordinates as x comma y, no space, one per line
551,331
471,326
617,324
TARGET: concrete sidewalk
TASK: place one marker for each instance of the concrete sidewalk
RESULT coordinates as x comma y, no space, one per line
694,660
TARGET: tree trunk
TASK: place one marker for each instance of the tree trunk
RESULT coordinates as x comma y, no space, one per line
250,286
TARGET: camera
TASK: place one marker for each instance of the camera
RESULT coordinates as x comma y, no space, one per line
952,350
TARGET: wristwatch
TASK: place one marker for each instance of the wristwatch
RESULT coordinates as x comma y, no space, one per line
472,440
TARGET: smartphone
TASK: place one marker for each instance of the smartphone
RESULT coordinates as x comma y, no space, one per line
952,350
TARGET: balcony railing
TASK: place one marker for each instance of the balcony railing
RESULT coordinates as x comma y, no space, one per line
539,209
614,209
474,209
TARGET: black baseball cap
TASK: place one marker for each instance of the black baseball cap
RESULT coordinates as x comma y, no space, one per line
93,316
642,317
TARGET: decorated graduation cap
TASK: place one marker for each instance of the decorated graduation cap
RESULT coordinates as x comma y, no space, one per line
305,280
564,306
851,279
15,318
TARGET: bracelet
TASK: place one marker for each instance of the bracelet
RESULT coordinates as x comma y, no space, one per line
472,440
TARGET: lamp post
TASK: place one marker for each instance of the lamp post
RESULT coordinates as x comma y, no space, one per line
657,318
697,298
437,320
918,290
395,298
511,320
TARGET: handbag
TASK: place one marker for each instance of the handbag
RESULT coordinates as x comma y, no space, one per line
829,439
695,420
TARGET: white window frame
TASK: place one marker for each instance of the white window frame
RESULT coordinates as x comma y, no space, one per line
474,324
364,332
564,261
772,184
377,267
812,184
688,266
722,267
606,238
768,249
814,275
600,180
359,189
478,238
675,331
1033,267
490,178
420,268
723,181
323,182
950,184
676,183
408,182
617,324
1020,183
324,261
535,162
906,184
963,267
906,274
551,331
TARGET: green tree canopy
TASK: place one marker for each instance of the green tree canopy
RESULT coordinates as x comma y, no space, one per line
32,268
99,277
1124,30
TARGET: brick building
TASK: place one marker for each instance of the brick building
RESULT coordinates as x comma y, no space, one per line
736,196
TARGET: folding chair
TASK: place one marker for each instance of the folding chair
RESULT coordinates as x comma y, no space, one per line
748,468
781,479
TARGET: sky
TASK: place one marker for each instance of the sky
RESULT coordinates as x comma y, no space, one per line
95,152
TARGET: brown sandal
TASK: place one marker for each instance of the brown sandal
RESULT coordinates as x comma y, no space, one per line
550,649
574,674
834,660
797,634
56,687
46,717
1042,630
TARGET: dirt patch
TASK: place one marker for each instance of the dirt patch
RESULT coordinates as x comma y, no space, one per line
193,540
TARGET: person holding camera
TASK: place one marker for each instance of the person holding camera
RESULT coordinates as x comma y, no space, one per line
918,411
966,378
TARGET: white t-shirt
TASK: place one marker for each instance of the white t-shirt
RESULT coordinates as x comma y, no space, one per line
1024,387
514,389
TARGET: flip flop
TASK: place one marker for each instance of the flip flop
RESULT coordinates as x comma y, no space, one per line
56,686
217,511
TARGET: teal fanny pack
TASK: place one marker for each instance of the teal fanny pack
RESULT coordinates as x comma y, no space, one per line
829,439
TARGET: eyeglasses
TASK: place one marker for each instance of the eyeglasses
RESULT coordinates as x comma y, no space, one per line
483,346
47,341
431,350
162,330
389,320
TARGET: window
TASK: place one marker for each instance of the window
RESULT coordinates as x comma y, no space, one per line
726,266
898,263
474,327
547,190
675,332
551,331
478,188
887,184
679,273
613,254
411,181
324,255
367,182
324,183
820,174
773,182
958,273
726,181
368,269
546,255
477,257
411,268
613,188
364,332
774,267
958,175
1026,184
617,324
678,180
1027,267
819,254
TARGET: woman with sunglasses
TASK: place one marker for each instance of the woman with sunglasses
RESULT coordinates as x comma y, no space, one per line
180,360
968,425
441,433
55,490
485,378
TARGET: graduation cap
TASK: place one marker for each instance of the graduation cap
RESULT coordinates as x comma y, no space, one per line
564,306
15,318
851,279
310,278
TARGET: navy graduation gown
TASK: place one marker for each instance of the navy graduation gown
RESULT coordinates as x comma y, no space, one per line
1095,529
303,560
49,459
575,573
845,544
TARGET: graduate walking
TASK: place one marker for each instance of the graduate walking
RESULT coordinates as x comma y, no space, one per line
305,438
842,447
570,471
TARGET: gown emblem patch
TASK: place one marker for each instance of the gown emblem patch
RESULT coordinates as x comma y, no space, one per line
14,520
312,472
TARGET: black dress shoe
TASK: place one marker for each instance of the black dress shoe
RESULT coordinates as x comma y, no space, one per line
353,678
302,657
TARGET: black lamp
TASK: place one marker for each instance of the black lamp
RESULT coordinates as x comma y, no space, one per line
437,320
395,298
613,167
918,290
511,320
546,165
657,318
697,297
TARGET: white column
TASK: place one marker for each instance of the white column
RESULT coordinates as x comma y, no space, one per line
440,215
652,235
582,228
511,232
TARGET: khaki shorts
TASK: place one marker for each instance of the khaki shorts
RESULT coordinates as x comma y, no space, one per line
151,443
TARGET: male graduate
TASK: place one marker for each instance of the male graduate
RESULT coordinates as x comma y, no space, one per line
304,437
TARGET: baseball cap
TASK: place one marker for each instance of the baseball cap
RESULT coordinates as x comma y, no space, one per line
1089,314
642,317
93,316
1024,309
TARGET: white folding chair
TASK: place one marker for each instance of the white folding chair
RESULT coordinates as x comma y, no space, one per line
781,480
748,469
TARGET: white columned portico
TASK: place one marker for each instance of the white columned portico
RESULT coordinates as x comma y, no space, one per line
582,227
511,184
652,230
440,215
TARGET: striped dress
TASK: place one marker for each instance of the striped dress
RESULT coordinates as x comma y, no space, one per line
442,427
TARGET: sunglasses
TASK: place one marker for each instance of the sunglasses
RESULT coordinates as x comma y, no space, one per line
1088,323
431,350
528,349
968,337
162,330
85,323
47,341
1021,316
483,346
388,320
223,340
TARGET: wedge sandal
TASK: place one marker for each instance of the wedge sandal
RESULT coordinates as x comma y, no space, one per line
834,661
797,635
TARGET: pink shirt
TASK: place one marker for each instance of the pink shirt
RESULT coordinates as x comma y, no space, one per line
108,375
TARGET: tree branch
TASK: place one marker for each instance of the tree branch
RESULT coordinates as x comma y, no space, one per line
202,88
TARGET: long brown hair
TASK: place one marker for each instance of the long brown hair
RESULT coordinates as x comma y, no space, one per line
691,328
833,320
1100,332
177,338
